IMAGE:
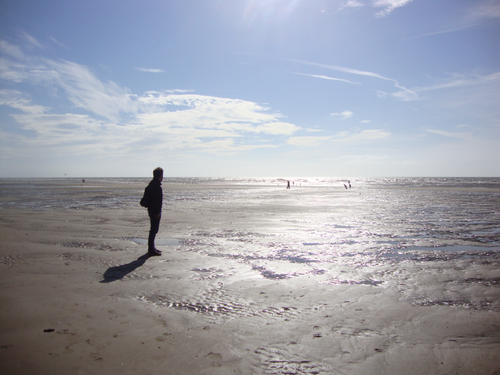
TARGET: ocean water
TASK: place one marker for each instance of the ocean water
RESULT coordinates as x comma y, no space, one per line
432,241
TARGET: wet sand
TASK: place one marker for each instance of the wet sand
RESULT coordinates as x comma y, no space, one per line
79,296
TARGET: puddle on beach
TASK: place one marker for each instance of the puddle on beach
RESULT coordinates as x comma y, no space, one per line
158,241
465,250
453,248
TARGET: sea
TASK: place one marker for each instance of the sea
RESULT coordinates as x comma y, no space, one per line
434,241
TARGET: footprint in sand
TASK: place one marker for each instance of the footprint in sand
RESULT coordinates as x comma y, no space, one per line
216,359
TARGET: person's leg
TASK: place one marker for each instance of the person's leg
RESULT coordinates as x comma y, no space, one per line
155,226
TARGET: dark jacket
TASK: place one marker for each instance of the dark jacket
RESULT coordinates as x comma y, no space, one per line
155,196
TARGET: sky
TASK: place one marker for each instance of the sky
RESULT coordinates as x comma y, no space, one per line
250,88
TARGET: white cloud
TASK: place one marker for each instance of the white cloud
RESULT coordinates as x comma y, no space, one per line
363,136
53,128
350,4
307,141
457,80
406,95
372,134
277,128
14,99
227,146
478,12
210,112
119,121
86,91
389,6
150,70
364,158
444,133
11,50
353,4
343,115
342,137
365,121
486,9
460,81
82,87
32,41
327,78
409,93
58,42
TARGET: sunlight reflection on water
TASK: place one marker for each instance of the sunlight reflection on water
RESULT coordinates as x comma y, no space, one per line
406,234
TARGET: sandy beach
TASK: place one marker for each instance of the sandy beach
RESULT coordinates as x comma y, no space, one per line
79,296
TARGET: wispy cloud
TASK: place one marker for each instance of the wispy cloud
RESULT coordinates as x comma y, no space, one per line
15,99
228,147
371,134
11,50
58,42
86,91
381,94
484,10
460,81
457,80
477,13
388,5
327,78
364,158
307,141
351,4
342,115
150,70
444,133
118,120
368,135
408,93
32,41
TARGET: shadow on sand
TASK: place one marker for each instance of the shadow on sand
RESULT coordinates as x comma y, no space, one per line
119,272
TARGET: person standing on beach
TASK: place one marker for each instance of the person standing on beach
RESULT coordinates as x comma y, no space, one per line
154,198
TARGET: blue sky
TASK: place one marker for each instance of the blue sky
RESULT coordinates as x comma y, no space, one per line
250,88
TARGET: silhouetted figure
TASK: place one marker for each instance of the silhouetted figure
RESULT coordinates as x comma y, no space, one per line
349,182
345,186
119,272
288,184
153,200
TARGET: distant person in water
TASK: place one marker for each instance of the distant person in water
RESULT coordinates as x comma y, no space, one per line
349,182
154,201
345,186
288,184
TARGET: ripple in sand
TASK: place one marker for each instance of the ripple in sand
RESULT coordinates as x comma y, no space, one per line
486,282
12,260
281,361
158,241
461,303
84,259
217,304
337,281
441,253
87,245
209,273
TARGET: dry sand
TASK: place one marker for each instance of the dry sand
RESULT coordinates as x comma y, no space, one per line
78,297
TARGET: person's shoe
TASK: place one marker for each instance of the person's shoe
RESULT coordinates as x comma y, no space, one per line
154,252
